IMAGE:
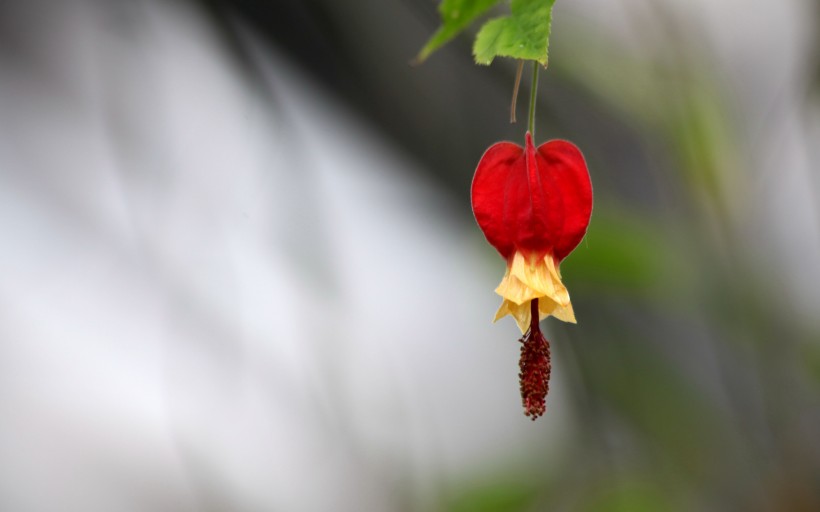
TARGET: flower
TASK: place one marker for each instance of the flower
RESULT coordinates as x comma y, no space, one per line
533,205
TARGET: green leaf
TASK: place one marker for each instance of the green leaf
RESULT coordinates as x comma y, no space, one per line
456,15
522,35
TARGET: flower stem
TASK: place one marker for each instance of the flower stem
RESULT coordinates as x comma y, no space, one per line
533,97
518,73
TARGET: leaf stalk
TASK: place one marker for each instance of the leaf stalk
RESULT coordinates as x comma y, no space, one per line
533,98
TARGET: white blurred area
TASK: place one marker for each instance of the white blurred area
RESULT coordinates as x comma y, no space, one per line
211,300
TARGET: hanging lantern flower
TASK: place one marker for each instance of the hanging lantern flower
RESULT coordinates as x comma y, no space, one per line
533,205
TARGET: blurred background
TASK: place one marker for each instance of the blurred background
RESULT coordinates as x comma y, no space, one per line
239,270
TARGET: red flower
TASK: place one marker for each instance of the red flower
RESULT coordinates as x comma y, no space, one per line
533,205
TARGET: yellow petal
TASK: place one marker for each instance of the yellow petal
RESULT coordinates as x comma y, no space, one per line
540,275
535,279
514,290
534,274
563,313
520,313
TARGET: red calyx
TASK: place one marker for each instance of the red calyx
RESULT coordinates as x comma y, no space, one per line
533,200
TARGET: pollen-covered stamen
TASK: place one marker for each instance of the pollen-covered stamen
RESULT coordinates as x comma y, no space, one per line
535,367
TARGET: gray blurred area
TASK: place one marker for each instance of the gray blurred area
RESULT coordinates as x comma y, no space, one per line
239,272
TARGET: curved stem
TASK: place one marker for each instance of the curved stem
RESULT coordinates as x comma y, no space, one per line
517,85
533,96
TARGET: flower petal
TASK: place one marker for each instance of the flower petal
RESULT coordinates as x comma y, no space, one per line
540,275
520,313
526,280
563,313
515,290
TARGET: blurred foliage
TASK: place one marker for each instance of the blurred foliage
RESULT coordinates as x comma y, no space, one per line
456,16
626,253
635,496
524,34
498,494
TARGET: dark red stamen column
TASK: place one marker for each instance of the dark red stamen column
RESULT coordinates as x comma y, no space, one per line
535,367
